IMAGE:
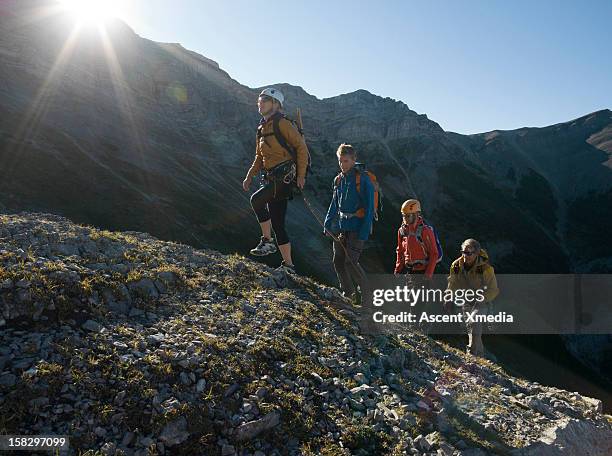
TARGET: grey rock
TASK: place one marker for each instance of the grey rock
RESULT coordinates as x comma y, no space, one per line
24,296
168,277
136,312
228,450
38,402
146,441
156,339
422,443
144,288
108,449
360,378
127,439
185,380
268,282
359,390
174,432
23,363
317,377
231,390
571,437
539,406
120,397
248,308
92,325
23,283
88,248
201,385
65,249
261,392
248,431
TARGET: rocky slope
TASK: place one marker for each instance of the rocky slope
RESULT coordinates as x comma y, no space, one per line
135,346
124,133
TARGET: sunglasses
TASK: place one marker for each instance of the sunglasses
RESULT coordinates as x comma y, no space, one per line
467,252
265,98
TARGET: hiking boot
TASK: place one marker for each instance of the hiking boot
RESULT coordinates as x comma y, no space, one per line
284,267
265,247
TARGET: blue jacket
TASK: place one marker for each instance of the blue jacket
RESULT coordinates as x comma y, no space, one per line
345,199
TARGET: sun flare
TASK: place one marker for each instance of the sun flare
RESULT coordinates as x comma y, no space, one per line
93,11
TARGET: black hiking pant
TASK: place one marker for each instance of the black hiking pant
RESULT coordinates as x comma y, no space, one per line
270,203
346,263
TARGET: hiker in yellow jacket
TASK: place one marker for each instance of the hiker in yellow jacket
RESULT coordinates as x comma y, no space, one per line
282,164
472,271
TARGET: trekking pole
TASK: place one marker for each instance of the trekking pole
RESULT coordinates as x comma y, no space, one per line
332,235
318,218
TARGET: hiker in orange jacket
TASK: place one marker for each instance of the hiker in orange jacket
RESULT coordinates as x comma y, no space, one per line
417,251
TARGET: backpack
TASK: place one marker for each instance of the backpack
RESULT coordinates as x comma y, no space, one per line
281,139
419,237
361,168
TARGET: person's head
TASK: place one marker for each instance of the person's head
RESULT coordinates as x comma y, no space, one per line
270,101
470,248
346,157
411,210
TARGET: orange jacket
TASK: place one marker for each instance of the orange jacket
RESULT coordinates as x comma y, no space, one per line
269,153
410,252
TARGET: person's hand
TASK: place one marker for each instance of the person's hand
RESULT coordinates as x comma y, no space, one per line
301,181
246,183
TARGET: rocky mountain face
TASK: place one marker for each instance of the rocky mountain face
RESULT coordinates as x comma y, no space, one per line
120,132
134,346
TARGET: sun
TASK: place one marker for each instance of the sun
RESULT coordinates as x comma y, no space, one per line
92,11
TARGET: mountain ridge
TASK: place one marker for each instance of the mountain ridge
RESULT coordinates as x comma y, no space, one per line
179,118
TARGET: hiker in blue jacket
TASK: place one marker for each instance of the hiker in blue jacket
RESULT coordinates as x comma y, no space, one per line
349,218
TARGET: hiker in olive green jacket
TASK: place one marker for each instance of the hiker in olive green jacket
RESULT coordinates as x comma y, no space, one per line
472,271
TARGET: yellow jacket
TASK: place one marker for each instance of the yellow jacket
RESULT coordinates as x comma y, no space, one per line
269,153
481,274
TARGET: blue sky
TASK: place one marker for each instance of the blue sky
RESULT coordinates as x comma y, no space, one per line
472,66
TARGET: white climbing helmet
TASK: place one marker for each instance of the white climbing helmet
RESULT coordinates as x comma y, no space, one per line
274,93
